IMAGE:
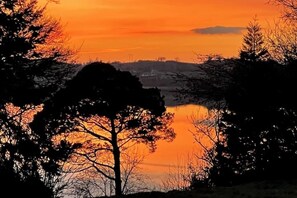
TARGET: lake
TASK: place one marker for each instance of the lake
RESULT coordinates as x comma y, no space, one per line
170,155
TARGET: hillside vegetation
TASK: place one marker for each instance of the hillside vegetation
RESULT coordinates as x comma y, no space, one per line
264,189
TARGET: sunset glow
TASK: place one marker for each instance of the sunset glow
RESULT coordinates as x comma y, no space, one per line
117,30
131,30
148,98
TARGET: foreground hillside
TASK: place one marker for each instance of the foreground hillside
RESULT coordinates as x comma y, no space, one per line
271,189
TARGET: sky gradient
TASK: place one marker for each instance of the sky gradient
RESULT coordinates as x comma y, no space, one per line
130,30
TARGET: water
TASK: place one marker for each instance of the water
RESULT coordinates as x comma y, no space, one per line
174,156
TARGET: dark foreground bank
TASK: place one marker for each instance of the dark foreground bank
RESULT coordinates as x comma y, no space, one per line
264,189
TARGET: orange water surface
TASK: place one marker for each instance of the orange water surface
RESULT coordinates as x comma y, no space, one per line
171,154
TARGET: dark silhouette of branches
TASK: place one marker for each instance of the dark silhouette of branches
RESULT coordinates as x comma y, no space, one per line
32,51
31,69
290,8
282,40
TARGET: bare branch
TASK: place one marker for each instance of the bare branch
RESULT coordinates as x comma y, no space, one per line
88,131
94,161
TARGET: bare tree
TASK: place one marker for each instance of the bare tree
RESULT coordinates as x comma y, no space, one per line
282,40
290,8
181,174
133,178
91,184
208,136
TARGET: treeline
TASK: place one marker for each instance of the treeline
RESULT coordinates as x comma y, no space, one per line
253,96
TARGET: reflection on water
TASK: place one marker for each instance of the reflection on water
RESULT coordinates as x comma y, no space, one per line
169,154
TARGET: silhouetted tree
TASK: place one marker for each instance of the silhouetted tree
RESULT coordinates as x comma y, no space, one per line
107,111
258,126
290,8
256,133
208,136
209,87
255,136
253,48
31,45
282,40
30,50
29,158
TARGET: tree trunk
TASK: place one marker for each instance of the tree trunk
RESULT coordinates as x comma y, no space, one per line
117,162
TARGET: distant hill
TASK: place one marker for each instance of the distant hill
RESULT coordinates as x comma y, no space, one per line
144,66
159,74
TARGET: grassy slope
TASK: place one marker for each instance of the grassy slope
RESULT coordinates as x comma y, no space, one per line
271,189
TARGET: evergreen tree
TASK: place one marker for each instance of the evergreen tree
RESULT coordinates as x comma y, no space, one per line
31,49
258,126
31,45
253,49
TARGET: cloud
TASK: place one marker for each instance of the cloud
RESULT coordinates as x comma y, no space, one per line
157,32
218,30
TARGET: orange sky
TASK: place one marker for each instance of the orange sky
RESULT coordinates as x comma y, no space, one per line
128,30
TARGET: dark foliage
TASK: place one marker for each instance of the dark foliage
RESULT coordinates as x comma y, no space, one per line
31,47
30,71
23,187
259,126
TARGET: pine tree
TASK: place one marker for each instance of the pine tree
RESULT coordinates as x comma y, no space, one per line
31,44
30,49
253,49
